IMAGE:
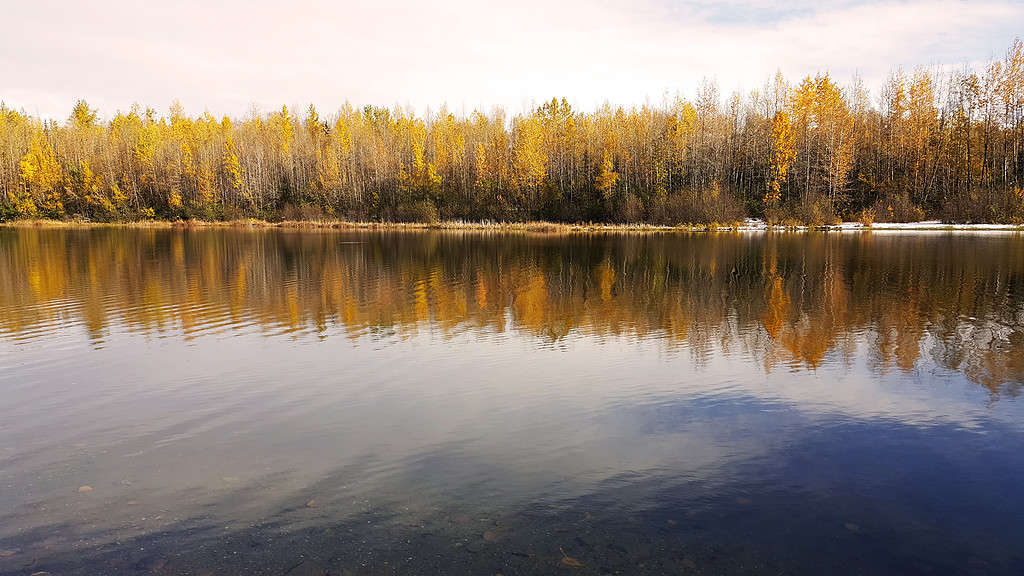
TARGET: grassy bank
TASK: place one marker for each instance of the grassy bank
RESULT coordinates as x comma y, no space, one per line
530,227
541,227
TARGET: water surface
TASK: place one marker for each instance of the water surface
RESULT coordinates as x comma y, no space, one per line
225,401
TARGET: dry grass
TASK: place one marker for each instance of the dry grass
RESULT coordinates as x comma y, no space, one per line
530,227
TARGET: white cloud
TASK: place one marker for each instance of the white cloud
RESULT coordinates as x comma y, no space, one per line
226,56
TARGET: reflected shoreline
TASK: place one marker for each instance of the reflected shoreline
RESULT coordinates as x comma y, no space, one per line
786,300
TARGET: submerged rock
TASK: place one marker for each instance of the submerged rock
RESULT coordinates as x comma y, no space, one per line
307,568
495,534
570,562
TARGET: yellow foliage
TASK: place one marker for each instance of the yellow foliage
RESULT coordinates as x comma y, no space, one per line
39,168
342,137
530,162
188,163
327,170
232,166
481,165
285,131
783,153
313,125
145,152
206,188
89,187
24,206
607,177
432,177
82,116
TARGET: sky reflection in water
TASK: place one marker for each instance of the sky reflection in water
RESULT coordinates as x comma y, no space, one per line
283,402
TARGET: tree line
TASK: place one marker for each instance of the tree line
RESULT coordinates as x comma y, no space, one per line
928,144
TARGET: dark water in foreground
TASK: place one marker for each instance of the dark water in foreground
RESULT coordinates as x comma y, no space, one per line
275,402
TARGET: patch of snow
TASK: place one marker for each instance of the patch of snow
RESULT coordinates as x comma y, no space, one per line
756,224
938,225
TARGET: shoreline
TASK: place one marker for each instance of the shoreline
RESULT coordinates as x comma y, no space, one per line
749,225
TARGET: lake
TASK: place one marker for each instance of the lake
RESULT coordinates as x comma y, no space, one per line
270,401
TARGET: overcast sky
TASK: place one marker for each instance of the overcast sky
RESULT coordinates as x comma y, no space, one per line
227,56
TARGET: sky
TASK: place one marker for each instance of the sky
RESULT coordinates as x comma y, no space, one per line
231,56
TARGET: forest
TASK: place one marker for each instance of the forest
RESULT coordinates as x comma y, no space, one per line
929,143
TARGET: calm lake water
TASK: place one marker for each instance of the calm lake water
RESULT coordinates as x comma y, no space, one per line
307,403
